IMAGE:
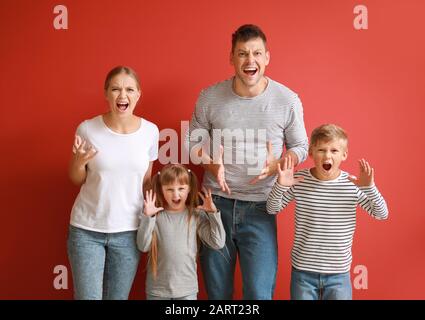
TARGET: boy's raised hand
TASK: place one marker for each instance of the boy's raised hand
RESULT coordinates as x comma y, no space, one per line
149,208
286,174
366,174
208,204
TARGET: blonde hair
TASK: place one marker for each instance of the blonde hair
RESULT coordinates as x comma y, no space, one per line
326,133
169,174
118,70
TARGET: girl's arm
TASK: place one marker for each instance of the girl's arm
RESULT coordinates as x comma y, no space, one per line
147,221
144,233
211,230
210,227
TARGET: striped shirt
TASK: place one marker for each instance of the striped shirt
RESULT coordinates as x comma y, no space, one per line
243,126
325,219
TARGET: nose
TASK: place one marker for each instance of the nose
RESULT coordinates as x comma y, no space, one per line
251,57
175,193
122,93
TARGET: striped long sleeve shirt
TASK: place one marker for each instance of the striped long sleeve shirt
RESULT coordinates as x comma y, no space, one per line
325,219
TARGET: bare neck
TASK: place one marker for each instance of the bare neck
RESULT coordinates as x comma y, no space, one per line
122,125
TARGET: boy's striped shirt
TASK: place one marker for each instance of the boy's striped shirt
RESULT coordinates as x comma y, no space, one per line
325,219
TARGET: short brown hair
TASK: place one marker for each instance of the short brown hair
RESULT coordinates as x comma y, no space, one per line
247,32
118,70
326,133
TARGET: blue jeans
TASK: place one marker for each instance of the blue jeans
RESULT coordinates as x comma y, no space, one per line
307,285
251,235
103,264
190,297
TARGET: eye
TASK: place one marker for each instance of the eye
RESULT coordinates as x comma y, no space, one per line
241,54
258,53
130,89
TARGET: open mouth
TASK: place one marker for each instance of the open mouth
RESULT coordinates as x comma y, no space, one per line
251,71
327,166
176,201
122,106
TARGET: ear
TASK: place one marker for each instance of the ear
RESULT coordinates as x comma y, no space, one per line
231,58
310,151
345,155
267,58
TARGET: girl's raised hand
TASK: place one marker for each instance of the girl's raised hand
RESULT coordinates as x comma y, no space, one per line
208,204
286,173
366,175
149,208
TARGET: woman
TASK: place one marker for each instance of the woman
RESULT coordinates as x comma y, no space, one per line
112,162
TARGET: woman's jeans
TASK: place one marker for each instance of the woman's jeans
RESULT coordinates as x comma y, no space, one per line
103,264
320,286
250,235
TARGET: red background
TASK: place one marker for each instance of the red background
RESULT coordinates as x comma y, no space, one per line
370,82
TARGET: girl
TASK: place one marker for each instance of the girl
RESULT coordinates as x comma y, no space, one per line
170,225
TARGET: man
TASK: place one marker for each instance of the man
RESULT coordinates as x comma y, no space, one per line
260,116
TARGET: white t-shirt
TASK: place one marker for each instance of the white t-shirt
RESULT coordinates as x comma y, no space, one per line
111,198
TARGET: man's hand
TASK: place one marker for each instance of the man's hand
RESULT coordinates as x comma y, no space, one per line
217,170
270,167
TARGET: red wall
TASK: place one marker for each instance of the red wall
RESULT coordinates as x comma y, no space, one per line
369,81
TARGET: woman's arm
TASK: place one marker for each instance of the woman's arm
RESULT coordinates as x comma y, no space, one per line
80,157
147,180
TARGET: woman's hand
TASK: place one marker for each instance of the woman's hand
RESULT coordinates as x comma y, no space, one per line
82,155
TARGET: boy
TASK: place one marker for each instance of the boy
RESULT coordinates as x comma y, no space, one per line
325,215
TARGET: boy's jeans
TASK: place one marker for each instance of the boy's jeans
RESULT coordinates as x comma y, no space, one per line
103,264
307,285
250,234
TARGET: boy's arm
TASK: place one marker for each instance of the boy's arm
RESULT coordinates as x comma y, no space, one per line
144,233
279,198
371,200
368,195
211,230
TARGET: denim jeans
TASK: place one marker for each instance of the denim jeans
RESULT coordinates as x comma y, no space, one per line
190,297
320,286
103,264
250,235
